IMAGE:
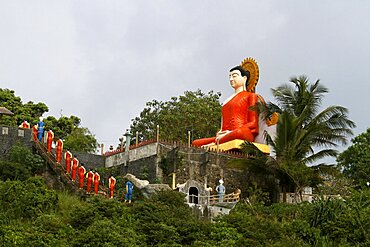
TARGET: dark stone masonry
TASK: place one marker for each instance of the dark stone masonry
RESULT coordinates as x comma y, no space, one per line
9,136
155,162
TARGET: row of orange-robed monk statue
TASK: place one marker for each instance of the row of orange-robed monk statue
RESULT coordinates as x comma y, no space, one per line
73,167
72,164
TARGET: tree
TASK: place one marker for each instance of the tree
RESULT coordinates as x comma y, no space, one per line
81,139
76,138
63,126
303,134
20,164
29,111
194,111
355,161
26,199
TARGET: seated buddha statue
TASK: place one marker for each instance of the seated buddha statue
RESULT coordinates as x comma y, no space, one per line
239,114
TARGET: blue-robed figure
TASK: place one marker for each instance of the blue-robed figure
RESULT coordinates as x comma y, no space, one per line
129,189
40,130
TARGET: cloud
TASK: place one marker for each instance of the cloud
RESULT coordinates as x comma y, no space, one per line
103,60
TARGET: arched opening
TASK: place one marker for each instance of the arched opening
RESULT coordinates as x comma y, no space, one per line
193,195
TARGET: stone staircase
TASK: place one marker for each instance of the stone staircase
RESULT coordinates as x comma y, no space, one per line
60,171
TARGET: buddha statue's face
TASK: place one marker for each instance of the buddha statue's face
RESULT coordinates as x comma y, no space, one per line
236,79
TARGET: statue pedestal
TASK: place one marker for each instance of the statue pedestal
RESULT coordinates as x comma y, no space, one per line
235,145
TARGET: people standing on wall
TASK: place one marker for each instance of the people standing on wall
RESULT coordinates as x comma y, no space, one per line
58,150
112,184
49,140
129,189
81,176
40,130
34,132
67,158
90,178
220,190
25,125
75,163
96,182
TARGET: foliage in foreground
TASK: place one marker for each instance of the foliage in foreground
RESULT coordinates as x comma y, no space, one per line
32,215
20,164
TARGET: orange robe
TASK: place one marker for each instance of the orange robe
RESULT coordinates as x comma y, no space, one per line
59,150
81,176
49,140
67,158
112,183
238,118
75,163
25,125
96,183
90,178
34,132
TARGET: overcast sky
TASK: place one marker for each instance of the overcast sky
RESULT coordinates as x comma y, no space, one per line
103,60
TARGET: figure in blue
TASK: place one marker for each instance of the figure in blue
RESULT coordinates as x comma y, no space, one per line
220,190
129,188
40,130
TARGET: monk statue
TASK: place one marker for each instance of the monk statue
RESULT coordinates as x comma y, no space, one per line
239,111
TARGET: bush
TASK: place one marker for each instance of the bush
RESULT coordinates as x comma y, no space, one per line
20,164
26,199
13,235
106,233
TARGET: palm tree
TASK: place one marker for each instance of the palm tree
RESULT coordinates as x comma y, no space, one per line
304,134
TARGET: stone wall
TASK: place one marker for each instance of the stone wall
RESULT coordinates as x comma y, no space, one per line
209,167
154,162
134,154
90,161
9,136
149,161
145,168
157,161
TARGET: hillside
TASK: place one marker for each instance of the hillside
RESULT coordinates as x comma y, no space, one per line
34,215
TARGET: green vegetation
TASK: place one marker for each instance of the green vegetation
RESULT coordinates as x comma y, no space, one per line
29,111
32,215
304,135
75,137
356,159
20,164
194,111
68,129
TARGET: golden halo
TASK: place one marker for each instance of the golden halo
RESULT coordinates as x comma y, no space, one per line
250,65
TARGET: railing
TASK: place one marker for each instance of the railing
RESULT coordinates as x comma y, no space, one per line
232,197
60,169
121,150
235,154
213,199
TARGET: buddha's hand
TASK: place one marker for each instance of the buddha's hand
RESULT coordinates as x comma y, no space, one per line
221,134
